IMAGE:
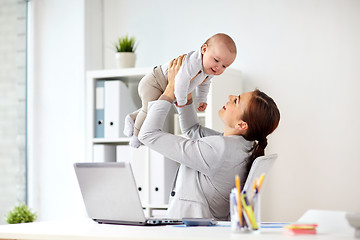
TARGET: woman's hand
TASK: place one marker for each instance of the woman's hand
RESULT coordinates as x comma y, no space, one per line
174,67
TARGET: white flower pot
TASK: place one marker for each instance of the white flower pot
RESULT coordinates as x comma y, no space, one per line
125,59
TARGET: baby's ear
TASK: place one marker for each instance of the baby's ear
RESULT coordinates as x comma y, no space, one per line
204,48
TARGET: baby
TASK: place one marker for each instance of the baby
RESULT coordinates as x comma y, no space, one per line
197,70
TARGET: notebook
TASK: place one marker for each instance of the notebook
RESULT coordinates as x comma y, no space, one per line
110,194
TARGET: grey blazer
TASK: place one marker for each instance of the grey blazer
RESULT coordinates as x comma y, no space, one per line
208,162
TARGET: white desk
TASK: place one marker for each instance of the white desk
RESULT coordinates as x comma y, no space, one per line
87,229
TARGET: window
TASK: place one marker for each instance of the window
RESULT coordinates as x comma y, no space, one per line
13,19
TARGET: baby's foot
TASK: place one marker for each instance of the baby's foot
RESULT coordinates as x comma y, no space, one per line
128,126
135,142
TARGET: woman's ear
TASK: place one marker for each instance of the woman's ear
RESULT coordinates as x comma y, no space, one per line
242,126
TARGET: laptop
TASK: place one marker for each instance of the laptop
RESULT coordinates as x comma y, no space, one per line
110,194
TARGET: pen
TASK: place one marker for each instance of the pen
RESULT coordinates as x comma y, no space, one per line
238,187
255,185
255,191
253,200
261,181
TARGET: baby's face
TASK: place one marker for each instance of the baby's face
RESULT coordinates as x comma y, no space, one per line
216,58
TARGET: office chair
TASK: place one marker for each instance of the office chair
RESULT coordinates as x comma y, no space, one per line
260,165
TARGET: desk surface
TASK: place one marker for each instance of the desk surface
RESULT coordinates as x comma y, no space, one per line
87,229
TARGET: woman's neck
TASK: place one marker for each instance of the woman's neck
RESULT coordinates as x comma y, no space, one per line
231,131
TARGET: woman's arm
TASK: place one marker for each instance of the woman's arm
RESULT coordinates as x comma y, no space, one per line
190,126
202,154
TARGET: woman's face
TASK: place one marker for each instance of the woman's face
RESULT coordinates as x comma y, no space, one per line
231,113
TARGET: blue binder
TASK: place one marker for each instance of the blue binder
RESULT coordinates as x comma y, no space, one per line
99,108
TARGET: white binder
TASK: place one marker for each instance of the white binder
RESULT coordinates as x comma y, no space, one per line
162,172
99,109
140,165
138,160
104,153
118,103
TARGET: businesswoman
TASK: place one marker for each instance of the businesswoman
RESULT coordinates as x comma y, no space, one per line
209,160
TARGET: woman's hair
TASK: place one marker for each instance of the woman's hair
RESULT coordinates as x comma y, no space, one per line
262,117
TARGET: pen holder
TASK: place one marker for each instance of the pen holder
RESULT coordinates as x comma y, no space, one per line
246,217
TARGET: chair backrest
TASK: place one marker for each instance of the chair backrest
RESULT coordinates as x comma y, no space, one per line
260,165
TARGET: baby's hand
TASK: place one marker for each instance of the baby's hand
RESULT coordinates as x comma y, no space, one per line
202,107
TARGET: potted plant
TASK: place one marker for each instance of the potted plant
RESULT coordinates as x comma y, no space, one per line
125,52
20,214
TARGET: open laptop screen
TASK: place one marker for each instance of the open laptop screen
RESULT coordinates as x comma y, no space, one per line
109,192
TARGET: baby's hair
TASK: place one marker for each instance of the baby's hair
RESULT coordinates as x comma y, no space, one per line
226,39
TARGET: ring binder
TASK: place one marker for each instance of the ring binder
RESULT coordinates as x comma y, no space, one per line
99,109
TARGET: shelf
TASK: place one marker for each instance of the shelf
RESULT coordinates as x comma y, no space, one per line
154,206
111,140
127,75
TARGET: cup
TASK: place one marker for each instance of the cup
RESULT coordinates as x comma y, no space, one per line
251,210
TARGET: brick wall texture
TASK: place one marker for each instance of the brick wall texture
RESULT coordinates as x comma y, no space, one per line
12,104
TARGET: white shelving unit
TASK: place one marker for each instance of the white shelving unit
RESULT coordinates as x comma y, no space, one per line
130,76
228,83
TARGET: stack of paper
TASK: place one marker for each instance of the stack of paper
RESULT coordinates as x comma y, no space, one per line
300,228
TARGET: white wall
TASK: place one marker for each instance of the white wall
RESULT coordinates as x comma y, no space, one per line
56,106
305,54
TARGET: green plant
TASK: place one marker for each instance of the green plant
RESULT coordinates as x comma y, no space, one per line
20,214
125,44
